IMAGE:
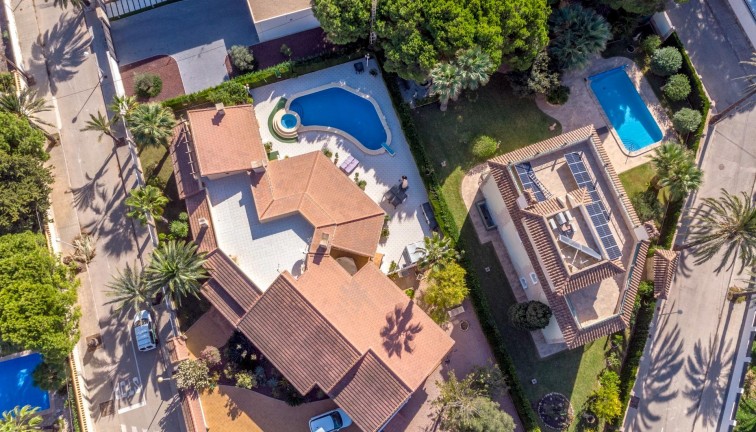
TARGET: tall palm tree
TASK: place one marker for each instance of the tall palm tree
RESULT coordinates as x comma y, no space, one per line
577,33
437,251
123,106
683,179
21,419
151,125
475,67
727,222
178,267
129,290
447,83
146,200
751,76
102,124
666,157
26,104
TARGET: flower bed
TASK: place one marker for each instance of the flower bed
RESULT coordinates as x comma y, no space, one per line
555,411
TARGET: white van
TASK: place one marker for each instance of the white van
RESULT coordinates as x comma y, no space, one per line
144,331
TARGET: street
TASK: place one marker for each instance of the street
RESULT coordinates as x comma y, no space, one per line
64,51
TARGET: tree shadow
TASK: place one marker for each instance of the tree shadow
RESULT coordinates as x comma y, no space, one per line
399,332
64,48
84,196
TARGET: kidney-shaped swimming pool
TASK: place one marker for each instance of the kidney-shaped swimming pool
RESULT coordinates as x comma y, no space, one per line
352,114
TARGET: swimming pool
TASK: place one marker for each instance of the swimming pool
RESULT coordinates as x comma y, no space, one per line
344,111
625,109
16,384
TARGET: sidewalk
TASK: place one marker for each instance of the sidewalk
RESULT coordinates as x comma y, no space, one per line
91,182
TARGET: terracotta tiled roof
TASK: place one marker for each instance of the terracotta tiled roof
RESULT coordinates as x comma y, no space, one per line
228,289
544,253
183,162
544,208
370,393
613,177
313,186
651,230
198,209
227,141
579,196
665,266
300,342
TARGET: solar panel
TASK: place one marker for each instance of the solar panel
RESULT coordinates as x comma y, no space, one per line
527,178
596,208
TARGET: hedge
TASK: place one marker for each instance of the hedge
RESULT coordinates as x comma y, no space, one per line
635,349
279,72
697,97
449,227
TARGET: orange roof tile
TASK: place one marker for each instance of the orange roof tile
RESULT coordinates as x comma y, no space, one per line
200,221
665,266
227,141
184,167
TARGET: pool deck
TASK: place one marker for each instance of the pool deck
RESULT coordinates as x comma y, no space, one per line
583,109
381,172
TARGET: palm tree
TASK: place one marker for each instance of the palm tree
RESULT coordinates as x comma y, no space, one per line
727,222
178,267
21,419
667,156
151,125
752,76
676,169
129,290
437,252
123,106
100,123
447,83
26,104
146,200
576,34
475,67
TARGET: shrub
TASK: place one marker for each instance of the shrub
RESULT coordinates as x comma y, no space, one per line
286,392
650,44
179,229
260,374
147,85
606,403
327,152
241,58
285,50
677,87
686,120
749,385
359,182
183,216
558,95
531,315
246,380
194,375
211,356
666,61
484,147
229,93
645,291
647,205
6,82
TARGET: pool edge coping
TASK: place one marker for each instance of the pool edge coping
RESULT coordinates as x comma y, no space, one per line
344,134
50,394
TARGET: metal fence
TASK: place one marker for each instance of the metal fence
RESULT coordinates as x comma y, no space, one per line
120,8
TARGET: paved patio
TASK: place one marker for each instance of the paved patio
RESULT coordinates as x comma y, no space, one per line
407,224
583,109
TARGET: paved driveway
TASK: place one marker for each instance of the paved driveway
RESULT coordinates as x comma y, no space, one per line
716,45
196,33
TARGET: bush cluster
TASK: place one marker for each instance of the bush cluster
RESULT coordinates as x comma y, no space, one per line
558,95
650,44
686,120
484,147
677,87
666,61
531,315
242,58
147,85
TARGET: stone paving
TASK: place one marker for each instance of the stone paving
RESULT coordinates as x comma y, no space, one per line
583,109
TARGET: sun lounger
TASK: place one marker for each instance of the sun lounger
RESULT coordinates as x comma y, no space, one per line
456,311
349,164
552,223
388,149
561,219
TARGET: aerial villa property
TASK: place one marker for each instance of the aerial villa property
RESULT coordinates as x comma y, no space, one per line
573,238
290,248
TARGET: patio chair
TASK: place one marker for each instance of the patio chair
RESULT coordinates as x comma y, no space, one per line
359,67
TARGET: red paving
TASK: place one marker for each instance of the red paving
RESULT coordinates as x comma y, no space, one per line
163,66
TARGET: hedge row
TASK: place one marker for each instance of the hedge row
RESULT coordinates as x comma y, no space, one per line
635,347
449,227
697,97
279,72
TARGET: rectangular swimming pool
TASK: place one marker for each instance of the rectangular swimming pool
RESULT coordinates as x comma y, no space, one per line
17,386
625,109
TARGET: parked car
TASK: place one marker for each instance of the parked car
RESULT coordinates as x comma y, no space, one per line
144,331
331,421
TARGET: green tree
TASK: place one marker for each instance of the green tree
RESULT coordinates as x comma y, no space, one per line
123,106
147,85
686,120
446,288
437,252
21,419
177,266
37,301
475,67
530,315
640,7
462,407
536,80
487,416
194,375
525,30
129,290
666,61
577,33
605,402
242,58
18,137
25,186
727,222
666,157
676,169
101,124
344,21
26,105
145,201
677,87
650,44
447,83
151,125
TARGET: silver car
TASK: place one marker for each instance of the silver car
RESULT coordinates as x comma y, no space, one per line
144,331
330,422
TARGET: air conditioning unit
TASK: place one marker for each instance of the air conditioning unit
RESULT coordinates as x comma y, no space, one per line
203,222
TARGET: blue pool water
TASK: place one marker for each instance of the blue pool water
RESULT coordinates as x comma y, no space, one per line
626,110
344,110
288,121
16,384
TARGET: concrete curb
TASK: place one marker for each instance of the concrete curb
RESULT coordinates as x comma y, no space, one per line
13,33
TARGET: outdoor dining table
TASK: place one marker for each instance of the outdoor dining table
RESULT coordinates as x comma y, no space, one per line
398,195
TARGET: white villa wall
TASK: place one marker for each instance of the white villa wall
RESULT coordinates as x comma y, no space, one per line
285,25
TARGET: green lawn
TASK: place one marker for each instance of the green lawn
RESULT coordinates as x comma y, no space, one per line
158,171
638,179
515,123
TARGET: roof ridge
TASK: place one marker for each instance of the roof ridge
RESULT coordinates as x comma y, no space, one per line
237,269
388,369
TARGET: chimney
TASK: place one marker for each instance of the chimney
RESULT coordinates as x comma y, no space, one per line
203,222
220,108
258,166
